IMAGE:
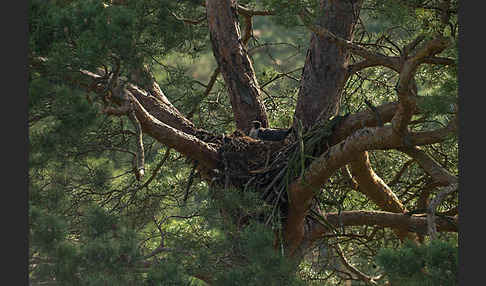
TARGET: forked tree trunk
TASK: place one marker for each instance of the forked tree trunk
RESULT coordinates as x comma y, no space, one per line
323,79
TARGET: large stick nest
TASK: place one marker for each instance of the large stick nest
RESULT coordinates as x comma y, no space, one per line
268,167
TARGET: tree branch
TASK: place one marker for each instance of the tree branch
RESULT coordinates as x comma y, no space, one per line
430,166
209,87
235,64
302,190
188,145
139,166
431,218
367,279
373,187
416,224
406,87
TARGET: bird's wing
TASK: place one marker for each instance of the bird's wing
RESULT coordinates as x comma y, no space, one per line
273,134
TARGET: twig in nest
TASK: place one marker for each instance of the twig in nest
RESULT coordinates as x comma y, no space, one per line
267,190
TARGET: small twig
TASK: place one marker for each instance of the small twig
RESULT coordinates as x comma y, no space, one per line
398,175
190,181
209,87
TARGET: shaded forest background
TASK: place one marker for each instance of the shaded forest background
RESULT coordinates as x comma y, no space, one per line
94,219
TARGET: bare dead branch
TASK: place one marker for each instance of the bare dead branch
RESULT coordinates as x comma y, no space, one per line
431,218
140,158
157,168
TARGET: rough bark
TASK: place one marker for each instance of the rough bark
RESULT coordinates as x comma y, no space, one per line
163,110
323,78
373,186
417,224
235,64
188,145
302,190
325,69
157,116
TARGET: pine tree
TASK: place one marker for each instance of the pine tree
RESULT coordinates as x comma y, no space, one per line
141,171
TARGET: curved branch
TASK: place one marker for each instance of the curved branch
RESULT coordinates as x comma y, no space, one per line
431,218
366,278
186,144
406,88
372,186
302,190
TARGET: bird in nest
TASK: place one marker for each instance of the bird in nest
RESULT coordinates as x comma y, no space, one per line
268,134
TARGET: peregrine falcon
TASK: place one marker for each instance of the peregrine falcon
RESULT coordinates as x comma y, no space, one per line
268,134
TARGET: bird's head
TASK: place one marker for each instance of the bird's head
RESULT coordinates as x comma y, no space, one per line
256,124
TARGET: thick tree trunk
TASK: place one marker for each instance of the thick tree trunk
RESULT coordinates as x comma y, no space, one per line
323,79
325,70
235,64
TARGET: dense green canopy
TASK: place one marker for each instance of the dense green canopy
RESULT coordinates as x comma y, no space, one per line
141,173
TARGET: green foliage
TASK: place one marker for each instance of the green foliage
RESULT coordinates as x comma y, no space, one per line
91,222
428,264
87,34
108,248
168,273
262,264
47,230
